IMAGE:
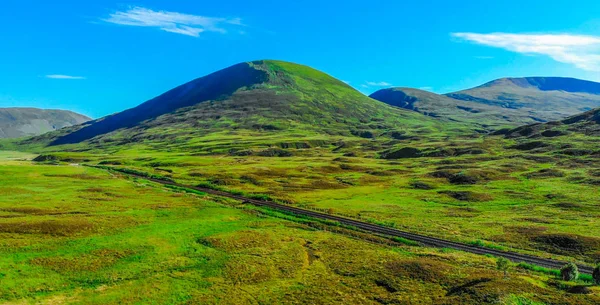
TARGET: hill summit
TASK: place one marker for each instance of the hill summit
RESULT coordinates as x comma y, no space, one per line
260,96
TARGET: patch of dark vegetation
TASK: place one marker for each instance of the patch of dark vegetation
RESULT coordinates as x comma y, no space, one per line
297,145
467,196
594,172
442,174
553,133
454,152
501,132
241,152
266,127
320,184
579,289
530,145
196,174
454,166
411,152
462,178
545,173
356,168
110,162
343,160
576,152
529,231
385,284
384,173
400,135
536,220
363,134
249,178
424,269
537,158
420,185
46,158
402,153
467,287
569,244
274,152
455,178
569,206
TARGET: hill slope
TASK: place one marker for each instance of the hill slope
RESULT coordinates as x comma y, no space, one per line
542,98
246,101
443,107
584,125
21,122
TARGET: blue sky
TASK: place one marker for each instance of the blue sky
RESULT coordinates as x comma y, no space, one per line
100,57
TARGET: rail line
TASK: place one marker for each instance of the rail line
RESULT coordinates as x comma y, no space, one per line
377,229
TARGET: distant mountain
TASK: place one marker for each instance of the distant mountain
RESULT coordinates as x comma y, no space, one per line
269,99
503,102
446,108
21,122
542,98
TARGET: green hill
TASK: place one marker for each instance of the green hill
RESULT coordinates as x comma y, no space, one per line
586,125
21,122
255,103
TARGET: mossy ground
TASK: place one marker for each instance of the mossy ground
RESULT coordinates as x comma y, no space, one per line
76,235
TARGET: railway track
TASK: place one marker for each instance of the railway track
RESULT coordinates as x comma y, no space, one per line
377,229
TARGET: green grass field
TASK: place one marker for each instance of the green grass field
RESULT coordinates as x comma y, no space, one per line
76,235
539,202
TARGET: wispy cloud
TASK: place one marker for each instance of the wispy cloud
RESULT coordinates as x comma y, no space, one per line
62,76
426,88
578,50
173,22
378,84
484,57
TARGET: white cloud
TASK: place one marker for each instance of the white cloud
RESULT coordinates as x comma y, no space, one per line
426,88
62,76
578,50
378,84
173,22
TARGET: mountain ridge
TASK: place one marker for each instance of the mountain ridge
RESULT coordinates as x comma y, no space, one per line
502,102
